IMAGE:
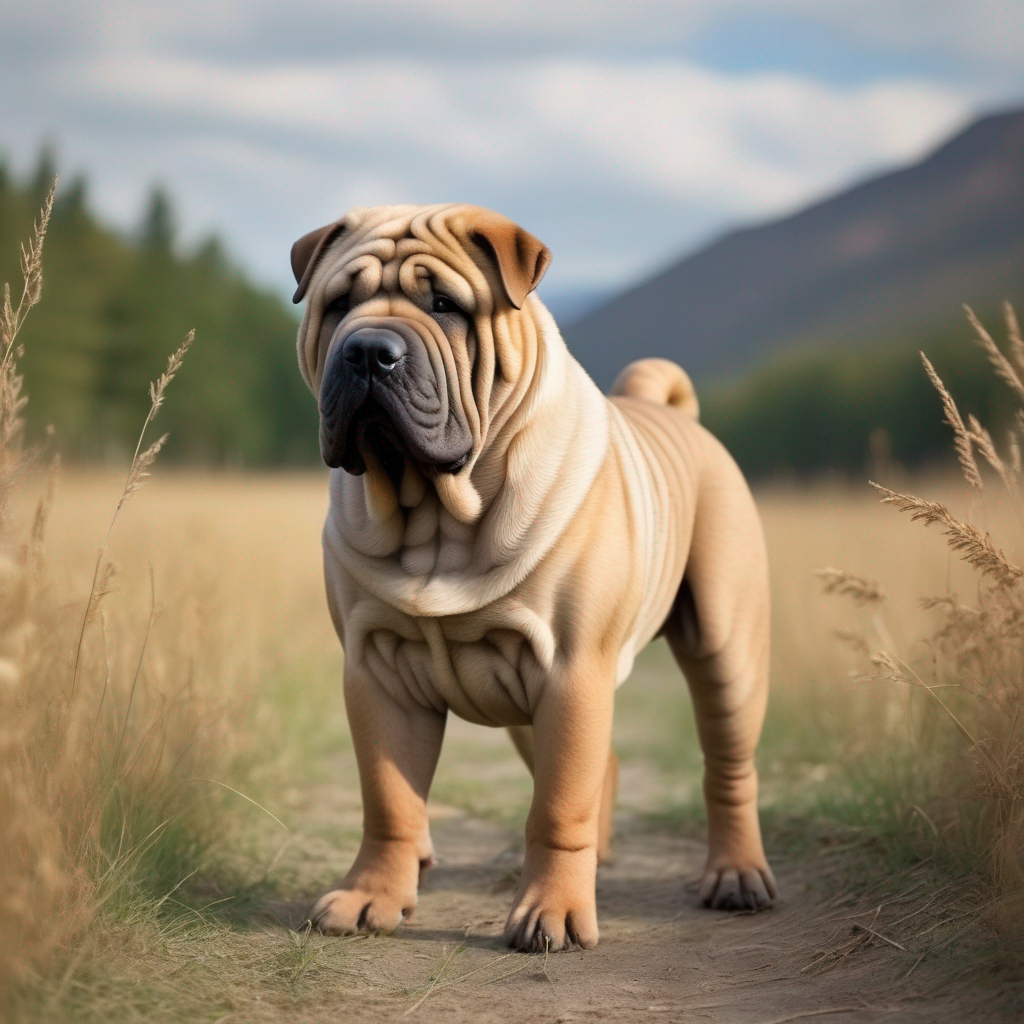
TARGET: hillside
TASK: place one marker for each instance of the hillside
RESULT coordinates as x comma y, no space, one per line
879,262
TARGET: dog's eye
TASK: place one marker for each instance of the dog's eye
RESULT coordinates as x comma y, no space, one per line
339,307
442,304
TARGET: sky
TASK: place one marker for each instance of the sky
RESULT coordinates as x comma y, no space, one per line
622,134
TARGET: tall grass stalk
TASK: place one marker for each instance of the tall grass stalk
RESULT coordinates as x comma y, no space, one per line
137,473
970,668
103,717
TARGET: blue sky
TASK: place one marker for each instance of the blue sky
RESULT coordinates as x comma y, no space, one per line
622,134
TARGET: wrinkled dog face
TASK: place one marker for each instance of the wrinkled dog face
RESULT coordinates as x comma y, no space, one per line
384,387
398,342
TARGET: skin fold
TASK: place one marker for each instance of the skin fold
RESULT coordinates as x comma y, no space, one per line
501,541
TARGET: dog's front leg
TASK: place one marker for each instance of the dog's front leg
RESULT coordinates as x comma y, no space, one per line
555,905
397,746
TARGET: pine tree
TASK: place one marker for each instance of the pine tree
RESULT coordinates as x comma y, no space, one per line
156,232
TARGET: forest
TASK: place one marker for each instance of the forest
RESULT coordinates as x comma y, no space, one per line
116,304
114,308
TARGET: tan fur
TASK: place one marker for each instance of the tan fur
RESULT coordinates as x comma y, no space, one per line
518,591
660,381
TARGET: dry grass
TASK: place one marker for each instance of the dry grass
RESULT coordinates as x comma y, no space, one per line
970,663
126,693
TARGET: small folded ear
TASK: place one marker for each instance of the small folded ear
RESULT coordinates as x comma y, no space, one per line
521,258
306,251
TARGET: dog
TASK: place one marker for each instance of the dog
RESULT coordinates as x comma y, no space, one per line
501,541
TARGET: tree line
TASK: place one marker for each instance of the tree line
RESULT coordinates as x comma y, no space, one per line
856,409
116,305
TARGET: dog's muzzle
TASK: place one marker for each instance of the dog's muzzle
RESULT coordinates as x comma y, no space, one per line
380,394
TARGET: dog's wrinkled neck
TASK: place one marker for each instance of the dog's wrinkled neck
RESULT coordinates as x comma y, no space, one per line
432,519
390,492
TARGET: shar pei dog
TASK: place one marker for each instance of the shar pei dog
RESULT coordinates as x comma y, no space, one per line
501,541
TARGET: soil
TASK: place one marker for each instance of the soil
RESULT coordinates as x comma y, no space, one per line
661,957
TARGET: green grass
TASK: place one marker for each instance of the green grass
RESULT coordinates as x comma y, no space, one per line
830,773
184,886
155,965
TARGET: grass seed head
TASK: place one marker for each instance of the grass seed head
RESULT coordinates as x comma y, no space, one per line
973,546
158,387
139,470
974,670
838,581
1003,369
961,438
886,666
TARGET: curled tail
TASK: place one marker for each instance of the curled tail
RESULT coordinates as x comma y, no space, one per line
660,381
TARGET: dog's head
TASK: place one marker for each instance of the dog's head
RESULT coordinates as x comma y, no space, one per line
414,337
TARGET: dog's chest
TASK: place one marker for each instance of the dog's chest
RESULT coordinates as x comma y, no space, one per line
487,667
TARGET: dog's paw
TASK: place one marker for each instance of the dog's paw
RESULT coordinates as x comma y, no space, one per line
555,906
551,924
738,887
378,894
347,911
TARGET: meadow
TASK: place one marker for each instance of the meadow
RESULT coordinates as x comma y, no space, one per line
177,780
188,886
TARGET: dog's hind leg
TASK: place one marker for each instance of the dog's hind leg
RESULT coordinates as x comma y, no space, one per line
719,633
522,737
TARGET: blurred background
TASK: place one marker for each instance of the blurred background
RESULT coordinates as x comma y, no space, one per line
788,198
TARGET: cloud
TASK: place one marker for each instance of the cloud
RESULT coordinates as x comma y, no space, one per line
579,120
752,144
989,30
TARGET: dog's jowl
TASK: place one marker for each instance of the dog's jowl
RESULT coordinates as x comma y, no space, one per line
502,540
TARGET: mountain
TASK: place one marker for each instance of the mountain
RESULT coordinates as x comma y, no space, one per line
570,305
877,262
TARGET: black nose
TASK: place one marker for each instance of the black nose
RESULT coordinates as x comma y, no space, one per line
373,350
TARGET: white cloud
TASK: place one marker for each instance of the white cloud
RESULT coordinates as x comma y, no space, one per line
990,32
753,144
986,30
264,122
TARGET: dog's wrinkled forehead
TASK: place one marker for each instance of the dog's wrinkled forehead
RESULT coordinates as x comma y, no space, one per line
491,254
322,249
388,251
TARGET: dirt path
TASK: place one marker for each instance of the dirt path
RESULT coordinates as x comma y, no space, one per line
661,958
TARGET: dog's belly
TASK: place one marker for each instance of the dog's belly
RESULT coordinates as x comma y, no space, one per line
485,673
